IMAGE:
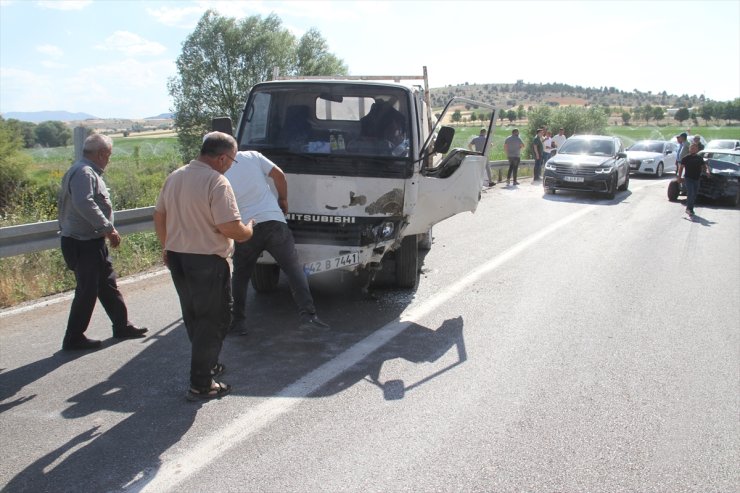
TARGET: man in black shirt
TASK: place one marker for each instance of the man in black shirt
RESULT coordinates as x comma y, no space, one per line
693,165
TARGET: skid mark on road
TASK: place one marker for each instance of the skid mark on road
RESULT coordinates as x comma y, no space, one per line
175,470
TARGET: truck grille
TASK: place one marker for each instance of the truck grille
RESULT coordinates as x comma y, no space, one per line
359,233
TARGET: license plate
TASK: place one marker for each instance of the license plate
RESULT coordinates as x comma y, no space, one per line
575,179
346,260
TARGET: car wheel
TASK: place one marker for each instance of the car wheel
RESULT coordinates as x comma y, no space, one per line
611,190
407,263
673,189
659,171
626,184
265,277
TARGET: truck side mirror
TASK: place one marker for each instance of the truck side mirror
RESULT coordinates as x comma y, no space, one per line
222,124
444,140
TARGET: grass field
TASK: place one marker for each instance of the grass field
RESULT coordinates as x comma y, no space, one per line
137,170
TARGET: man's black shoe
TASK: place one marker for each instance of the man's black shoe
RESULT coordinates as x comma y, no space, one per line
81,344
130,332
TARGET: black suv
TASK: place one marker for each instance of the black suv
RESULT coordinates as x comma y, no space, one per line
588,163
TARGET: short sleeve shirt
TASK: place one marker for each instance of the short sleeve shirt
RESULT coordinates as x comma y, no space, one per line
693,164
513,146
195,198
537,142
248,178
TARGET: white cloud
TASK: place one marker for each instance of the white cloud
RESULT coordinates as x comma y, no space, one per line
50,50
53,65
131,44
184,17
64,4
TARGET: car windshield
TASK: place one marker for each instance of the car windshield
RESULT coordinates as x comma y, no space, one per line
723,156
722,144
597,147
647,147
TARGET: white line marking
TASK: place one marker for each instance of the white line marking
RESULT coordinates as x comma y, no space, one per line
177,469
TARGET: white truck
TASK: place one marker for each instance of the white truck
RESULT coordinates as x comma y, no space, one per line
368,172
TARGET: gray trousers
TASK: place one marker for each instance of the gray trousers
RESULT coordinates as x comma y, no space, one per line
275,238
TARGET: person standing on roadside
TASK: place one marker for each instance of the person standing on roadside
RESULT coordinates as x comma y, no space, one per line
683,147
559,140
196,218
547,145
513,146
478,144
697,141
537,151
85,221
693,165
248,178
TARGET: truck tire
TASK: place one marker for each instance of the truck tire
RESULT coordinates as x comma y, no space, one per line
407,261
265,277
673,189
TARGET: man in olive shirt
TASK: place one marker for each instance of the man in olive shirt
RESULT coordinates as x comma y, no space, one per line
537,153
85,221
196,218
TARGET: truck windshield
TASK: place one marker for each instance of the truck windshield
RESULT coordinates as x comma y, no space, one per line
318,118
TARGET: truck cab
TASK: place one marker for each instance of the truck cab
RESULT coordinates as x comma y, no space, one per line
368,173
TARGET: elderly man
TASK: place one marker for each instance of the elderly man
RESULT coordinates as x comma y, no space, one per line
196,218
85,221
693,165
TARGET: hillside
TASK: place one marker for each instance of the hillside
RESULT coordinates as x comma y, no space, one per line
509,96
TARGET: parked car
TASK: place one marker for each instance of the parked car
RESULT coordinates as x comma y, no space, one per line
589,163
652,157
718,144
723,181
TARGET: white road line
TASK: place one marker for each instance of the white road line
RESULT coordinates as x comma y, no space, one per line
179,468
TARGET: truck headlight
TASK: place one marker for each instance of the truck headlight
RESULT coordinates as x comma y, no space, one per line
385,230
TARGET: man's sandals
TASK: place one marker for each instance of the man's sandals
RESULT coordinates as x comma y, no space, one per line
216,391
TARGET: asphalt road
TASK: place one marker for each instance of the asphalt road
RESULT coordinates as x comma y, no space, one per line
559,343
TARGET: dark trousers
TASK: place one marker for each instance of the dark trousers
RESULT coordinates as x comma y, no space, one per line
203,284
96,280
692,190
513,167
275,238
537,168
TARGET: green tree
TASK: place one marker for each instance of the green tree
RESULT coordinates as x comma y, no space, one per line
647,112
511,115
707,112
520,113
224,57
53,134
658,113
13,163
682,115
456,116
26,130
626,117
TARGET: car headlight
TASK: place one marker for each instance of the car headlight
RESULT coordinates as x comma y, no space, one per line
608,169
550,165
648,161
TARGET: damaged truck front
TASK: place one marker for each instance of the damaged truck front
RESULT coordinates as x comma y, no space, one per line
368,173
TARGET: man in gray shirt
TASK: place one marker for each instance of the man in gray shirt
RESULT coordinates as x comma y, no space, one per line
513,146
85,221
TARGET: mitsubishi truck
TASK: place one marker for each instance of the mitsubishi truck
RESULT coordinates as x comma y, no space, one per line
369,172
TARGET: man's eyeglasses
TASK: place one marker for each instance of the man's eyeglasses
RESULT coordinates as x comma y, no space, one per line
233,159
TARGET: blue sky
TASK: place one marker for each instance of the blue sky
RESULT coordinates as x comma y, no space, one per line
112,58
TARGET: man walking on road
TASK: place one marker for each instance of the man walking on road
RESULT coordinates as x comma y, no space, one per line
248,178
85,221
196,218
693,164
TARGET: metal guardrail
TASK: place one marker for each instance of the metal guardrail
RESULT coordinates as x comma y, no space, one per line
28,238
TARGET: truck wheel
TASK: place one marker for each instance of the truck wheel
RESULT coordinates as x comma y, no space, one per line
425,240
265,277
673,189
407,258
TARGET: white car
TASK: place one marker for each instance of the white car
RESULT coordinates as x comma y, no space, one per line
652,157
722,144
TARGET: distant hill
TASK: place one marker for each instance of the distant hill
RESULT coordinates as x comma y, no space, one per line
161,116
509,96
43,116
